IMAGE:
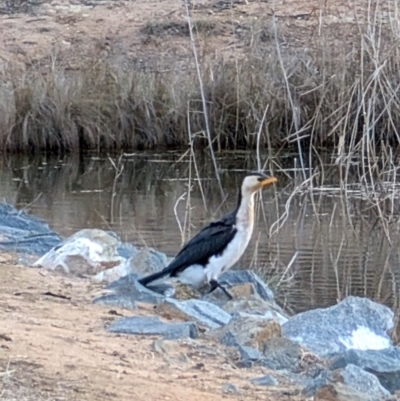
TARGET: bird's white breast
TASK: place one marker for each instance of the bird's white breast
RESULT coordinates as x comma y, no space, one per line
196,275
235,249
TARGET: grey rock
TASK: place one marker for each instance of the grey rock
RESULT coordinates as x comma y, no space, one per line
236,277
311,383
256,306
340,392
153,326
353,323
266,380
142,262
219,297
126,291
282,354
126,250
87,252
208,315
314,384
384,364
164,289
247,330
117,300
23,233
337,361
20,220
147,261
249,354
363,381
123,284
229,339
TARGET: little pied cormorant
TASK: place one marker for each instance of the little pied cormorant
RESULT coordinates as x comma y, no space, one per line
218,246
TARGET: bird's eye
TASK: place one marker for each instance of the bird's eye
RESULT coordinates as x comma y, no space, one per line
261,179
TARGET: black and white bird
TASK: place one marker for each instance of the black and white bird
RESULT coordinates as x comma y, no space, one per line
218,246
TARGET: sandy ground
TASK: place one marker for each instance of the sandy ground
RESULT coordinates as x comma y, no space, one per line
54,348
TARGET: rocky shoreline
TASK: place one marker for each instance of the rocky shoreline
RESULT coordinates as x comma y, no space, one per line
339,353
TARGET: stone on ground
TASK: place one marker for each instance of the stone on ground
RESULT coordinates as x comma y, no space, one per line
340,392
266,380
237,278
384,364
363,381
282,354
23,233
142,262
126,291
147,261
248,330
355,323
206,314
256,306
249,354
87,252
154,326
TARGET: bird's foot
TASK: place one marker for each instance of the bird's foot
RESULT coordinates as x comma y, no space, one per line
215,284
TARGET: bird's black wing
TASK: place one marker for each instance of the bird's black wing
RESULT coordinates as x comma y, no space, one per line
211,240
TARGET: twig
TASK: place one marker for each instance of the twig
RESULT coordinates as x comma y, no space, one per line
31,203
294,107
182,197
259,166
279,223
203,97
119,168
194,161
287,269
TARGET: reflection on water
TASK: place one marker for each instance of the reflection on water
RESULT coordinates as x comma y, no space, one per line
326,247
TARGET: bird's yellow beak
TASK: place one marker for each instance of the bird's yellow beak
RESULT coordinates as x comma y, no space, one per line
268,181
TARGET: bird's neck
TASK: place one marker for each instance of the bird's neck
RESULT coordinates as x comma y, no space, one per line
245,198
245,210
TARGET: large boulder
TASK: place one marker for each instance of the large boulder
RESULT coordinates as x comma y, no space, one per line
85,253
384,364
355,323
23,233
363,381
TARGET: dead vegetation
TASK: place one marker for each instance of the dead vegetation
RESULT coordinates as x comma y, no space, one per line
180,28
341,94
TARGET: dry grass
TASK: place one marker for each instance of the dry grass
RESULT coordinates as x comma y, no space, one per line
179,28
343,96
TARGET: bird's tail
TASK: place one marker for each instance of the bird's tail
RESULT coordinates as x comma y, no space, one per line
153,277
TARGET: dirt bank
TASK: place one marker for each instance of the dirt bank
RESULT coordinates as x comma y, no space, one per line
143,31
57,348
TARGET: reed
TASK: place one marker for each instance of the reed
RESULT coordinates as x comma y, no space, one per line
341,96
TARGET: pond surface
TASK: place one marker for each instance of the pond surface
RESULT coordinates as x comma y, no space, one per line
327,244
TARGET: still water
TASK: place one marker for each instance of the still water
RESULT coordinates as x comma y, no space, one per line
314,246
